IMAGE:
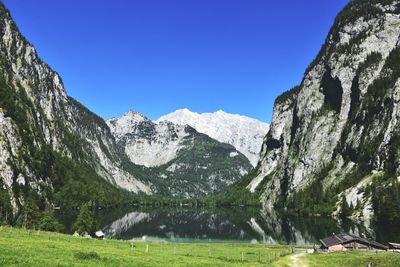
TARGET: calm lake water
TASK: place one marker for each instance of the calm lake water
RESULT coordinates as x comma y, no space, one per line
226,225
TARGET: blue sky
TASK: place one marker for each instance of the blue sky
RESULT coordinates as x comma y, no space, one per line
156,56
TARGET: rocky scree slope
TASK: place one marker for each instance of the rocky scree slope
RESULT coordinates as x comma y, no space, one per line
52,149
244,133
334,140
179,161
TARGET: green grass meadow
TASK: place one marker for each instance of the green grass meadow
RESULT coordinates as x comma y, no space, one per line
19,247
352,259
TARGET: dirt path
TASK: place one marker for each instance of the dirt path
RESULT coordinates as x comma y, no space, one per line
295,260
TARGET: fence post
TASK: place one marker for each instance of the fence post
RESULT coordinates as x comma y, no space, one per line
147,248
370,263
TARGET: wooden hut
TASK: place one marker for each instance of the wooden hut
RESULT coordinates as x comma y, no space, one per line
394,246
345,241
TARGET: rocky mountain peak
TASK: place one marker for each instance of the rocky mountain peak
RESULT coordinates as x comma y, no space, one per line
134,116
244,133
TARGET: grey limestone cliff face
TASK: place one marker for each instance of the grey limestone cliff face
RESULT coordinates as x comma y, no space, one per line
344,117
36,115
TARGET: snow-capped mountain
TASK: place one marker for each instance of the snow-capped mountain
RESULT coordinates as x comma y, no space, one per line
179,160
244,133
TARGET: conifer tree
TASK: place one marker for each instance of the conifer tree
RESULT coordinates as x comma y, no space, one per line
48,222
30,214
346,210
85,222
5,206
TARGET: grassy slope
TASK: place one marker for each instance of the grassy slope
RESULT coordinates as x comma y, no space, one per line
353,259
20,247
343,259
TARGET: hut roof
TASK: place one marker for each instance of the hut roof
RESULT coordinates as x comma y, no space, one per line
99,234
345,238
394,245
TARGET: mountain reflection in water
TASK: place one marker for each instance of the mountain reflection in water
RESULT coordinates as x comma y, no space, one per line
225,225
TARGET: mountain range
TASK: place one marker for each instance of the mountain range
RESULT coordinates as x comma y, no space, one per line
333,147
54,151
179,160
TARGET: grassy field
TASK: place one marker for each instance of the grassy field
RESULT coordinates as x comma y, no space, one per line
352,259
342,259
20,247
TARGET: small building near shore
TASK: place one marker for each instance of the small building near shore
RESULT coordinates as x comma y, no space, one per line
99,235
394,246
345,241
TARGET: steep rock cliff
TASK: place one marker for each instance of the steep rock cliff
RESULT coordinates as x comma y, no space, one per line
337,132
47,139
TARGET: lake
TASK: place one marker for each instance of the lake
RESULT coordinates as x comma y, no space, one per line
226,225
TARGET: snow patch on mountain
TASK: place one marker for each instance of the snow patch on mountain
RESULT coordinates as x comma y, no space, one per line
244,133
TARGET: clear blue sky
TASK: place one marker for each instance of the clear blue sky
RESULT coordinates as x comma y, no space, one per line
156,56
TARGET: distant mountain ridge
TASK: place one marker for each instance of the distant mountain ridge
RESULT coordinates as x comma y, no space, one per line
179,160
244,133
